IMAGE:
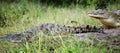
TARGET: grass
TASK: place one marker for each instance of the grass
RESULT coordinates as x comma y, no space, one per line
23,15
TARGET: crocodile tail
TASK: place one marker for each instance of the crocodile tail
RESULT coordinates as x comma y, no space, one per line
18,37
5,37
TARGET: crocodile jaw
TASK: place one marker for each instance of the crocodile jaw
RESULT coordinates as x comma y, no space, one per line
96,16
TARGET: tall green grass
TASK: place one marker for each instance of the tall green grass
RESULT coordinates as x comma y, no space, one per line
24,15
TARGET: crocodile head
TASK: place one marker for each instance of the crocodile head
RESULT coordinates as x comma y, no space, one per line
104,14
109,19
99,14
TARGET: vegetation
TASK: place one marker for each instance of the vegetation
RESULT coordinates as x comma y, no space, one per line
20,15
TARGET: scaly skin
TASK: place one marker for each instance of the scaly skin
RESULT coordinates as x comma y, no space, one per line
48,28
109,19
